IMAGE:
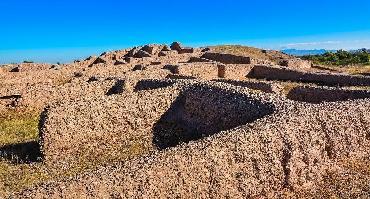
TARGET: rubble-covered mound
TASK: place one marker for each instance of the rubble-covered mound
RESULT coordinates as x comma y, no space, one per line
159,121
160,118
291,146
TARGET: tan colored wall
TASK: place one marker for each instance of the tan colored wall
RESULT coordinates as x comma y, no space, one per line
198,70
237,72
296,63
267,87
293,149
286,74
85,130
227,58
319,95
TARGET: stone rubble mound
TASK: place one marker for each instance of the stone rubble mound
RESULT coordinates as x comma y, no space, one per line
180,122
252,143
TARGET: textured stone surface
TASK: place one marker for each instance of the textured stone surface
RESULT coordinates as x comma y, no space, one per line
296,63
292,148
81,128
264,86
227,58
181,50
287,74
318,95
184,136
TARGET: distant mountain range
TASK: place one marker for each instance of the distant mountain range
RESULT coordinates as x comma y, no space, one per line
297,52
360,50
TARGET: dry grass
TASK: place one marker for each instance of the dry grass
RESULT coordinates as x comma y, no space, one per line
15,177
357,69
358,88
17,126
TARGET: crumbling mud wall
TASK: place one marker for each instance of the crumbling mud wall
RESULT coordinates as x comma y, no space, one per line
286,74
319,95
267,87
295,63
189,139
107,125
198,70
226,58
210,70
201,111
237,72
39,96
151,84
291,149
101,126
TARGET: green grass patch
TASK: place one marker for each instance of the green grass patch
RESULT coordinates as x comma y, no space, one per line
17,126
21,126
16,177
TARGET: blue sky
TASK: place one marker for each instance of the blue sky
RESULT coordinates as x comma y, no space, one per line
45,30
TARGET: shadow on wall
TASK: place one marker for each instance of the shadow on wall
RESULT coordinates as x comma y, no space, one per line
152,84
199,112
319,95
262,86
326,79
28,152
117,88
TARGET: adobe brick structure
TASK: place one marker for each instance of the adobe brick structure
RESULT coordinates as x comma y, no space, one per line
287,74
264,86
124,126
131,118
169,132
325,94
37,83
271,145
237,71
201,70
296,63
226,58
221,71
209,70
